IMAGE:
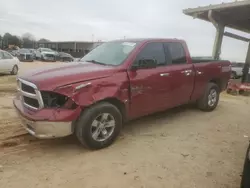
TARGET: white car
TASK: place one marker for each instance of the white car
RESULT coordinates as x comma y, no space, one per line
8,63
45,54
237,70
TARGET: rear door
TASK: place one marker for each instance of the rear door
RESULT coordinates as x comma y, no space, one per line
181,74
148,86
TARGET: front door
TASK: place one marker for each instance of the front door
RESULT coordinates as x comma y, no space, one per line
148,86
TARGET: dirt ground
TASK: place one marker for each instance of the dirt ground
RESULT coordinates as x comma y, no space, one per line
179,148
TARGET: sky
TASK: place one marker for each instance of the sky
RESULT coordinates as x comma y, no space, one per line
61,20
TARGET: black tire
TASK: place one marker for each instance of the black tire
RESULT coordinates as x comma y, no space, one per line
204,100
245,180
233,75
83,125
14,70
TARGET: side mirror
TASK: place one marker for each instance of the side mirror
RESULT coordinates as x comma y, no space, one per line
144,64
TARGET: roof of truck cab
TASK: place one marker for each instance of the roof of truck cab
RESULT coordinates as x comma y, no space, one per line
148,39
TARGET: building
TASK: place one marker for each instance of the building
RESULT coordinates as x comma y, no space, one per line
75,48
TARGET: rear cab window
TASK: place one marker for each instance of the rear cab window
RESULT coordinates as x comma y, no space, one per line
176,52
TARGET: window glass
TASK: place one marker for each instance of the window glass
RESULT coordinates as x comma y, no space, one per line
177,52
110,53
7,55
153,51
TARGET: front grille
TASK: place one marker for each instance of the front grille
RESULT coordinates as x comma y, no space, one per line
28,88
28,57
49,55
31,102
30,94
25,56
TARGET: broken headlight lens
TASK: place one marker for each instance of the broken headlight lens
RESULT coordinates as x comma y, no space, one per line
56,100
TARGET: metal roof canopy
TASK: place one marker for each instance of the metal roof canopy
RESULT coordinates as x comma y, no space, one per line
235,15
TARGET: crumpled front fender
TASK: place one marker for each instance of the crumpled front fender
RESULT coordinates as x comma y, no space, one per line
87,93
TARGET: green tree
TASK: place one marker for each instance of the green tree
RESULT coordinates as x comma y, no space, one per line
9,39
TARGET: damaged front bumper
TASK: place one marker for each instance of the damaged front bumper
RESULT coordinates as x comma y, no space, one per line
47,123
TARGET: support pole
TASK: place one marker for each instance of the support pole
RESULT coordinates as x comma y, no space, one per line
218,42
219,35
246,66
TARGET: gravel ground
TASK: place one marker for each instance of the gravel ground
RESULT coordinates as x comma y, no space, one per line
179,148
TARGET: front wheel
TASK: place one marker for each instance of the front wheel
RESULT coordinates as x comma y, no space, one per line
14,70
209,101
99,125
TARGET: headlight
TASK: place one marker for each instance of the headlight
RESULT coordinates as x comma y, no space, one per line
56,100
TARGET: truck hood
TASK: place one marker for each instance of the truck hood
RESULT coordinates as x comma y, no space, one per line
59,75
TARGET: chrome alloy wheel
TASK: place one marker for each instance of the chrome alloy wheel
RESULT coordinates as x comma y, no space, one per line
102,127
212,97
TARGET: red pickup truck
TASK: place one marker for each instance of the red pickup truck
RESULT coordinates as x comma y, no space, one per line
116,82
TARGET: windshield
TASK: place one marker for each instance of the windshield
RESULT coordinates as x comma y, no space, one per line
24,51
46,50
110,53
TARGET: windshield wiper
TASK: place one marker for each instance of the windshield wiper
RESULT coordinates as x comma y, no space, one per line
96,62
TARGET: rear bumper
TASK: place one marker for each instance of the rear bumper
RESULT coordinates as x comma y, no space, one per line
46,123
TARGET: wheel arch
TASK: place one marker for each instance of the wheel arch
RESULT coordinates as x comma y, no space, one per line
116,102
218,82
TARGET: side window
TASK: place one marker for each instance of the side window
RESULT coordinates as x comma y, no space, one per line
176,51
1,55
7,55
154,51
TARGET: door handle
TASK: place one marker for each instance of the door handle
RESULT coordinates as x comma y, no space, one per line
199,73
187,72
164,74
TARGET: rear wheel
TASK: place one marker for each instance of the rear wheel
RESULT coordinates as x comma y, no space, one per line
99,126
209,101
14,70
